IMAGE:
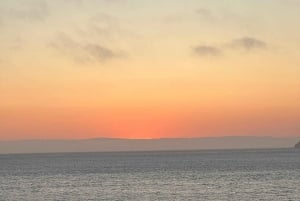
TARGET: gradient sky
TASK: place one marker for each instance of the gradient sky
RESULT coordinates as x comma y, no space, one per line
147,69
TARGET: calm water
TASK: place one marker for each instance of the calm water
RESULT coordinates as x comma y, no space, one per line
191,175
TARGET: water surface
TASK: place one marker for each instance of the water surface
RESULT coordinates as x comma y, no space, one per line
175,175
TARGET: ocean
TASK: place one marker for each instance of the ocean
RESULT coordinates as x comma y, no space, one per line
240,175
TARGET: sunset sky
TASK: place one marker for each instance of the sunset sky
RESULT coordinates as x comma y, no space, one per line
149,69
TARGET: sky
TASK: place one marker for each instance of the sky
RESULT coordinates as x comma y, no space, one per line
143,69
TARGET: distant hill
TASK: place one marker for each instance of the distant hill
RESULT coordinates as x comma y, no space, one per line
111,145
297,145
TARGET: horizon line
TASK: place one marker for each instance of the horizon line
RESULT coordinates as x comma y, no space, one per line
145,139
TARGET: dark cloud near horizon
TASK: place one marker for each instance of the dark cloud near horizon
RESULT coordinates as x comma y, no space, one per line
204,51
248,43
83,52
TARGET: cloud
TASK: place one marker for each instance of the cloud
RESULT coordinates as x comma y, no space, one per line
248,43
204,50
103,25
83,52
91,41
99,52
245,43
206,14
33,10
92,2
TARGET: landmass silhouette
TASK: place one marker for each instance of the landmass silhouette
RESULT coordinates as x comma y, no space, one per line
163,144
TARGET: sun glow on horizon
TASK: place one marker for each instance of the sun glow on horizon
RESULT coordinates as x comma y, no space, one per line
90,69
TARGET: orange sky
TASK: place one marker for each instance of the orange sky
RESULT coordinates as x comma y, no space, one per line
174,69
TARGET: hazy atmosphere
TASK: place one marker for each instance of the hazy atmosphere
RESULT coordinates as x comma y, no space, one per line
165,100
141,69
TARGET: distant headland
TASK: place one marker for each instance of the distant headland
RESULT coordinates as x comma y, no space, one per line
164,144
297,146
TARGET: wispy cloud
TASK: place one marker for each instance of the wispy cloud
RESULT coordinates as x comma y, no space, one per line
103,25
33,10
83,51
245,43
204,51
206,14
99,52
248,43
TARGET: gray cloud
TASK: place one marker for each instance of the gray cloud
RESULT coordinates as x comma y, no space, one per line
103,25
204,50
206,14
248,43
33,10
83,52
91,41
92,2
244,43
99,52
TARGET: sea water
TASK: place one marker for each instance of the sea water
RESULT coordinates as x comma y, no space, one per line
171,175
